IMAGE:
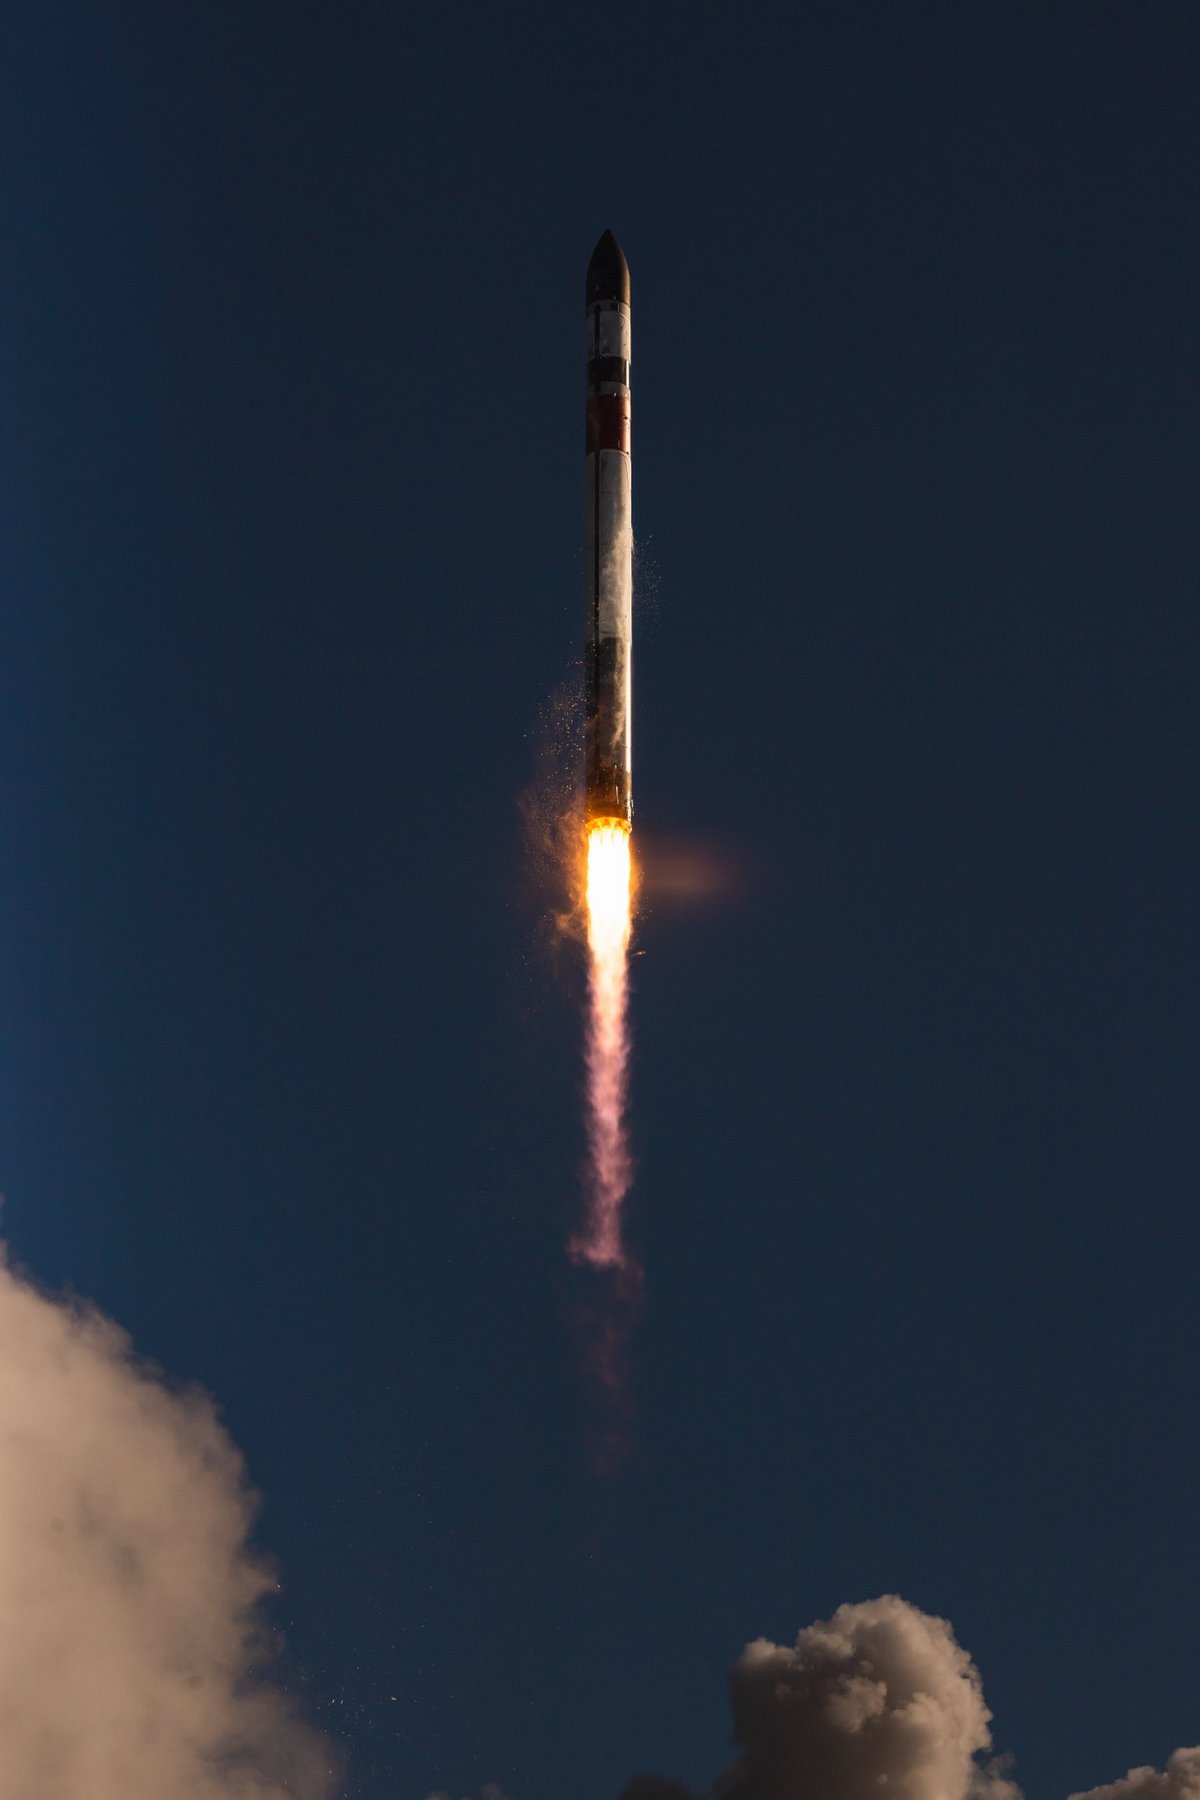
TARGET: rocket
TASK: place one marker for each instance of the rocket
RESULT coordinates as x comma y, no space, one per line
608,543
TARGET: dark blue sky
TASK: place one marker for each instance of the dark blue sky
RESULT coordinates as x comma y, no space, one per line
290,341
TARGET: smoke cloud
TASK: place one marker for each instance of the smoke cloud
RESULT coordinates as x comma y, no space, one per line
133,1648
879,1699
881,1695
1180,1780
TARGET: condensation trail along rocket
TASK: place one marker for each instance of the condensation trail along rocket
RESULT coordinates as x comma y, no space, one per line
608,659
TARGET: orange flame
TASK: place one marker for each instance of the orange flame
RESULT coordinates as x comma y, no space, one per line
609,895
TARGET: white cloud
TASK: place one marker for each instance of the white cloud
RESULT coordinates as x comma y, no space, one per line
881,1695
1180,1780
132,1647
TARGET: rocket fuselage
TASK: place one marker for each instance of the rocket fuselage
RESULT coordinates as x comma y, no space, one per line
608,582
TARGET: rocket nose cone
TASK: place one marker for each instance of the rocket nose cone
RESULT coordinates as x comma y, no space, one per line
608,272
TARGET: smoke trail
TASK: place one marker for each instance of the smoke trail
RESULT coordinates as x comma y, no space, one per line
607,1317
586,876
133,1647
609,920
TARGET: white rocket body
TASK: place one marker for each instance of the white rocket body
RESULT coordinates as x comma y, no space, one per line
608,581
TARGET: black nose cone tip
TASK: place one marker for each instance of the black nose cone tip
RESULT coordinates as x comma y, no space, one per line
608,272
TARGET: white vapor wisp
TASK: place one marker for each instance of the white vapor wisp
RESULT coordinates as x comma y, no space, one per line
878,1700
133,1644
490,1791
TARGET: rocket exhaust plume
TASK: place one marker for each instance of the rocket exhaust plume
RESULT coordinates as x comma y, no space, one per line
608,792
609,919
